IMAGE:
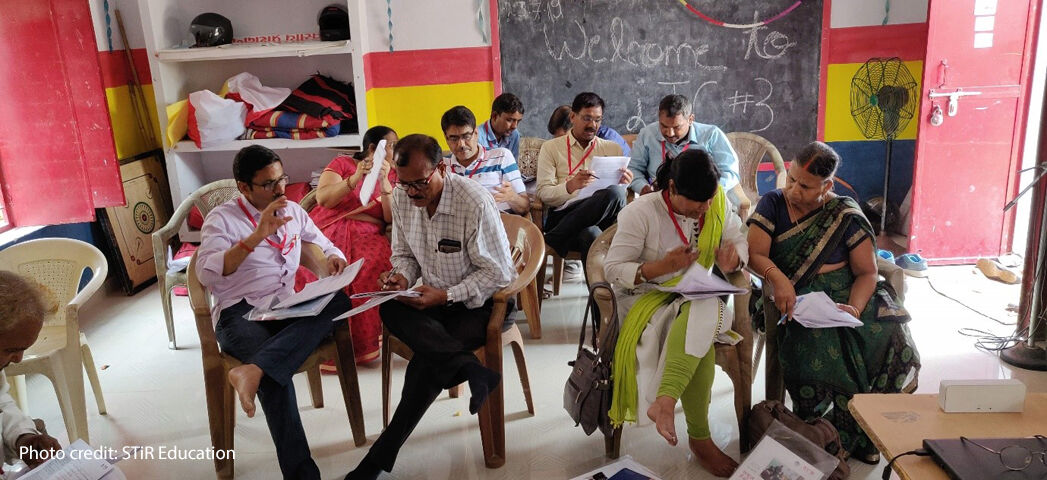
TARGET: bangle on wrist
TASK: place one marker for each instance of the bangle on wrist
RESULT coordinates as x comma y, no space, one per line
244,246
768,270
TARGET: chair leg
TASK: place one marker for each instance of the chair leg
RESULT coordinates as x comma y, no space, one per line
742,405
19,392
387,357
758,352
316,386
60,380
521,366
492,428
557,274
529,300
165,293
92,375
227,423
612,444
348,377
539,280
74,371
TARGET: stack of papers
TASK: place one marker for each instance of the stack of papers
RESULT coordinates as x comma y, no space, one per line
310,301
77,462
699,282
375,299
771,459
817,310
608,173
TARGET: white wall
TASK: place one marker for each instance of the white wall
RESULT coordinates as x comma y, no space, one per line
420,24
132,23
861,13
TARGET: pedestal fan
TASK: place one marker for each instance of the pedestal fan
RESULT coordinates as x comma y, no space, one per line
883,101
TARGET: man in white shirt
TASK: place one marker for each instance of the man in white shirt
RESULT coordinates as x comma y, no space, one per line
249,252
675,133
22,312
493,168
446,232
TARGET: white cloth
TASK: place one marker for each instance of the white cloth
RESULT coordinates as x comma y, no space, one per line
13,422
466,214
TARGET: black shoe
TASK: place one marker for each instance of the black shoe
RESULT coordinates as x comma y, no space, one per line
364,471
482,381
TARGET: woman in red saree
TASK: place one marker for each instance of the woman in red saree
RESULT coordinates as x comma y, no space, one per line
359,229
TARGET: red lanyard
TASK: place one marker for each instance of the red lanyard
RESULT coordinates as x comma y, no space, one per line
679,231
681,151
493,139
570,169
479,161
278,246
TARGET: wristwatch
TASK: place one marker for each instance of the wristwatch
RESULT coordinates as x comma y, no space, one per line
450,298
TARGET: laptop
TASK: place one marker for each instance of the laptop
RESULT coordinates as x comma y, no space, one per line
965,461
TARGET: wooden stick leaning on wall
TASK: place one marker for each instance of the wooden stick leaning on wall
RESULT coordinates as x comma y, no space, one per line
138,101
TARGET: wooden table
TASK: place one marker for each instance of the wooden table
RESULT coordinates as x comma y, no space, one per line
898,423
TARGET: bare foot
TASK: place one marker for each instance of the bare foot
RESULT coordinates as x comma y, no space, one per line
245,380
711,458
663,413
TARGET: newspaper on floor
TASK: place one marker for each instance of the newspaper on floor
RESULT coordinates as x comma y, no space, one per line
625,468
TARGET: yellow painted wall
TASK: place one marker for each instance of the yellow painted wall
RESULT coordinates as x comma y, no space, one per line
839,125
418,109
129,140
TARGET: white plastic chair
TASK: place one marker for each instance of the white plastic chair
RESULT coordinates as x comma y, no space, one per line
61,352
204,199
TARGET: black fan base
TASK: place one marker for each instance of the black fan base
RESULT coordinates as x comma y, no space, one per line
1022,356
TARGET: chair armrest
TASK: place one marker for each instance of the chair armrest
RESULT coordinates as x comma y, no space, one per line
313,258
99,272
537,211
744,202
894,276
197,294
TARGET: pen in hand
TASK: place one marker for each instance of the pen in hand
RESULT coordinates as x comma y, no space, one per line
389,280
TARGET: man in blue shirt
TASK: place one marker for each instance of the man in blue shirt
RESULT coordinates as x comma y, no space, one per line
676,132
500,131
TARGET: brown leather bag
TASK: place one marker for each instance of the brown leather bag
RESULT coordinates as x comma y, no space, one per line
819,431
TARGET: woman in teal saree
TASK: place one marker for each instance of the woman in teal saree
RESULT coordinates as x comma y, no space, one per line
802,239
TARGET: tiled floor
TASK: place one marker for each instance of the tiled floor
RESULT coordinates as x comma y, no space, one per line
155,396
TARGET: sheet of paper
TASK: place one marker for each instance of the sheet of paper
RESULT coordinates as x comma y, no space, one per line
386,293
307,308
699,282
608,173
371,179
771,459
376,300
78,462
323,286
817,310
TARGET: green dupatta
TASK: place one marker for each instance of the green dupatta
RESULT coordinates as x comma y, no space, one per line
624,399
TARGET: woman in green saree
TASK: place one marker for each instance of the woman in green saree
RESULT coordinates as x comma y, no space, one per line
802,239
665,351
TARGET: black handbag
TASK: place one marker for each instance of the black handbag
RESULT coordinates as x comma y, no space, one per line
587,394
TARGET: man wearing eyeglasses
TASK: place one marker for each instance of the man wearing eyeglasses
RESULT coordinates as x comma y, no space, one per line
563,169
493,168
675,133
446,232
249,252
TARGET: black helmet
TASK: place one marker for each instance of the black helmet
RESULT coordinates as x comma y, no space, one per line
210,30
334,23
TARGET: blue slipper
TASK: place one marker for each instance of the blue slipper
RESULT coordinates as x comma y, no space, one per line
912,264
886,255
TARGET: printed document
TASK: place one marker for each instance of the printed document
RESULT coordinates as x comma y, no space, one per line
817,310
375,299
608,173
78,461
699,282
371,179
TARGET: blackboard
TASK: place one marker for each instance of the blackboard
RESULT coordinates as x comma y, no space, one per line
758,73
